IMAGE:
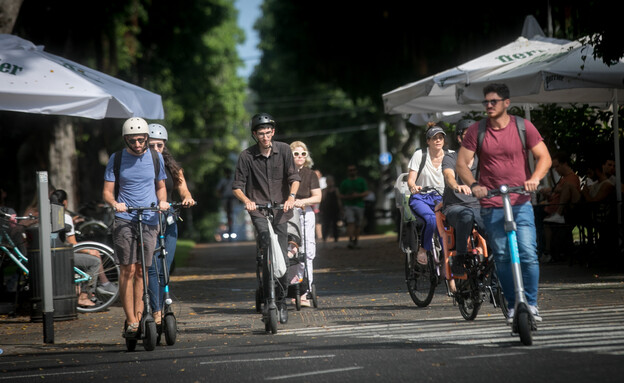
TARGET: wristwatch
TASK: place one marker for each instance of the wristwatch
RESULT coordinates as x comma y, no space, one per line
292,195
474,184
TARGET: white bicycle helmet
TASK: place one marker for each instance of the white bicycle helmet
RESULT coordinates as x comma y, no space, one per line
135,125
158,132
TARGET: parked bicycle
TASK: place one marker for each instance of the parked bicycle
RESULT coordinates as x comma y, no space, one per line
102,298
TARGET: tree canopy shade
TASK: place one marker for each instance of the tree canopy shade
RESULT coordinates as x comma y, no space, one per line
185,51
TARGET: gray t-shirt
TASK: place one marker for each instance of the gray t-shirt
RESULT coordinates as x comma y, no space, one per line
451,197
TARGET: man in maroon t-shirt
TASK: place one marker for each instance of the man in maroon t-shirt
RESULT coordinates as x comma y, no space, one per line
502,161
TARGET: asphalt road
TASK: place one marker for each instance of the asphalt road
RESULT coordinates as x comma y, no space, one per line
365,329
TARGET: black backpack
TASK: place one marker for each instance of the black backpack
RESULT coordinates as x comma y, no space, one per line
521,132
117,168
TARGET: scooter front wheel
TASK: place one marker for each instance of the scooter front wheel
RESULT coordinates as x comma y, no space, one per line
170,329
524,328
151,333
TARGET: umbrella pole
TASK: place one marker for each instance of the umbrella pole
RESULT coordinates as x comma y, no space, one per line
618,173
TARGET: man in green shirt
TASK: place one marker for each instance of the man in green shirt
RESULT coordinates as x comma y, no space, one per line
352,191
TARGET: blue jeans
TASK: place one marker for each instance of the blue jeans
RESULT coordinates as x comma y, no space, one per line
494,219
423,205
155,271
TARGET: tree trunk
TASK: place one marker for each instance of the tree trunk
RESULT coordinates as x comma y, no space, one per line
9,9
63,159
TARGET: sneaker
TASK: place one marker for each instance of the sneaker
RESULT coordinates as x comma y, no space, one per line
555,218
510,315
305,302
351,245
107,289
421,257
535,313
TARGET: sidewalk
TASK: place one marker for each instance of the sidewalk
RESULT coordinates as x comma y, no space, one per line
217,291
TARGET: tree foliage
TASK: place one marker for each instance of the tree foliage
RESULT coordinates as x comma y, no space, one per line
185,51
320,54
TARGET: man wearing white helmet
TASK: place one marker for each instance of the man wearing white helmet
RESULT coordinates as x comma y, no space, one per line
135,185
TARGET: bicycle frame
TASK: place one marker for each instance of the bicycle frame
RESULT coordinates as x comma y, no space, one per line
18,258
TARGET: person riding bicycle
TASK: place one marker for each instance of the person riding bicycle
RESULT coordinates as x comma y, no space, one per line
504,161
140,184
175,181
266,173
423,205
460,207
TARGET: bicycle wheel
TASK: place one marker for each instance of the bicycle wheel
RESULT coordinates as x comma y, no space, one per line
468,298
101,297
94,230
419,279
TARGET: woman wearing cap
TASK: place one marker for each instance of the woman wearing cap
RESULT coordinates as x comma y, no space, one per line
431,175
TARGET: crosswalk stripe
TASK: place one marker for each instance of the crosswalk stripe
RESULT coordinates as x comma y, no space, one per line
593,329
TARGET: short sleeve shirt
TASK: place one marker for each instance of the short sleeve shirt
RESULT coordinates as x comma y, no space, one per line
136,183
502,159
267,179
309,181
431,176
451,197
350,186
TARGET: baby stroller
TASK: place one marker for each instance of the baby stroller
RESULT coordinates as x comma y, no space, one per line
297,255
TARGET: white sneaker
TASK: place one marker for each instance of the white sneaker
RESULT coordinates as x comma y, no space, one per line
535,313
555,218
510,315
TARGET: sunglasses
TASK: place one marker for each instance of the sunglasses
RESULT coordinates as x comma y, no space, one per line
302,154
493,102
133,141
159,145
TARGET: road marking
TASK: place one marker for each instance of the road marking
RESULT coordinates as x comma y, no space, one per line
303,374
596,330
281,358
44,375
498,355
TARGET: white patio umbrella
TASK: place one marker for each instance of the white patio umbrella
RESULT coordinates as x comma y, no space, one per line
34,81
437,93
565,75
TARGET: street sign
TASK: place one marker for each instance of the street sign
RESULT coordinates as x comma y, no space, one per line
385,158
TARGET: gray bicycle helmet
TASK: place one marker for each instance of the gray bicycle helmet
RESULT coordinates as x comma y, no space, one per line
463,125
261,119
158,132
134,125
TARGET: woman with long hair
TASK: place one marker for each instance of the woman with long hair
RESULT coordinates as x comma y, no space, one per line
309,194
